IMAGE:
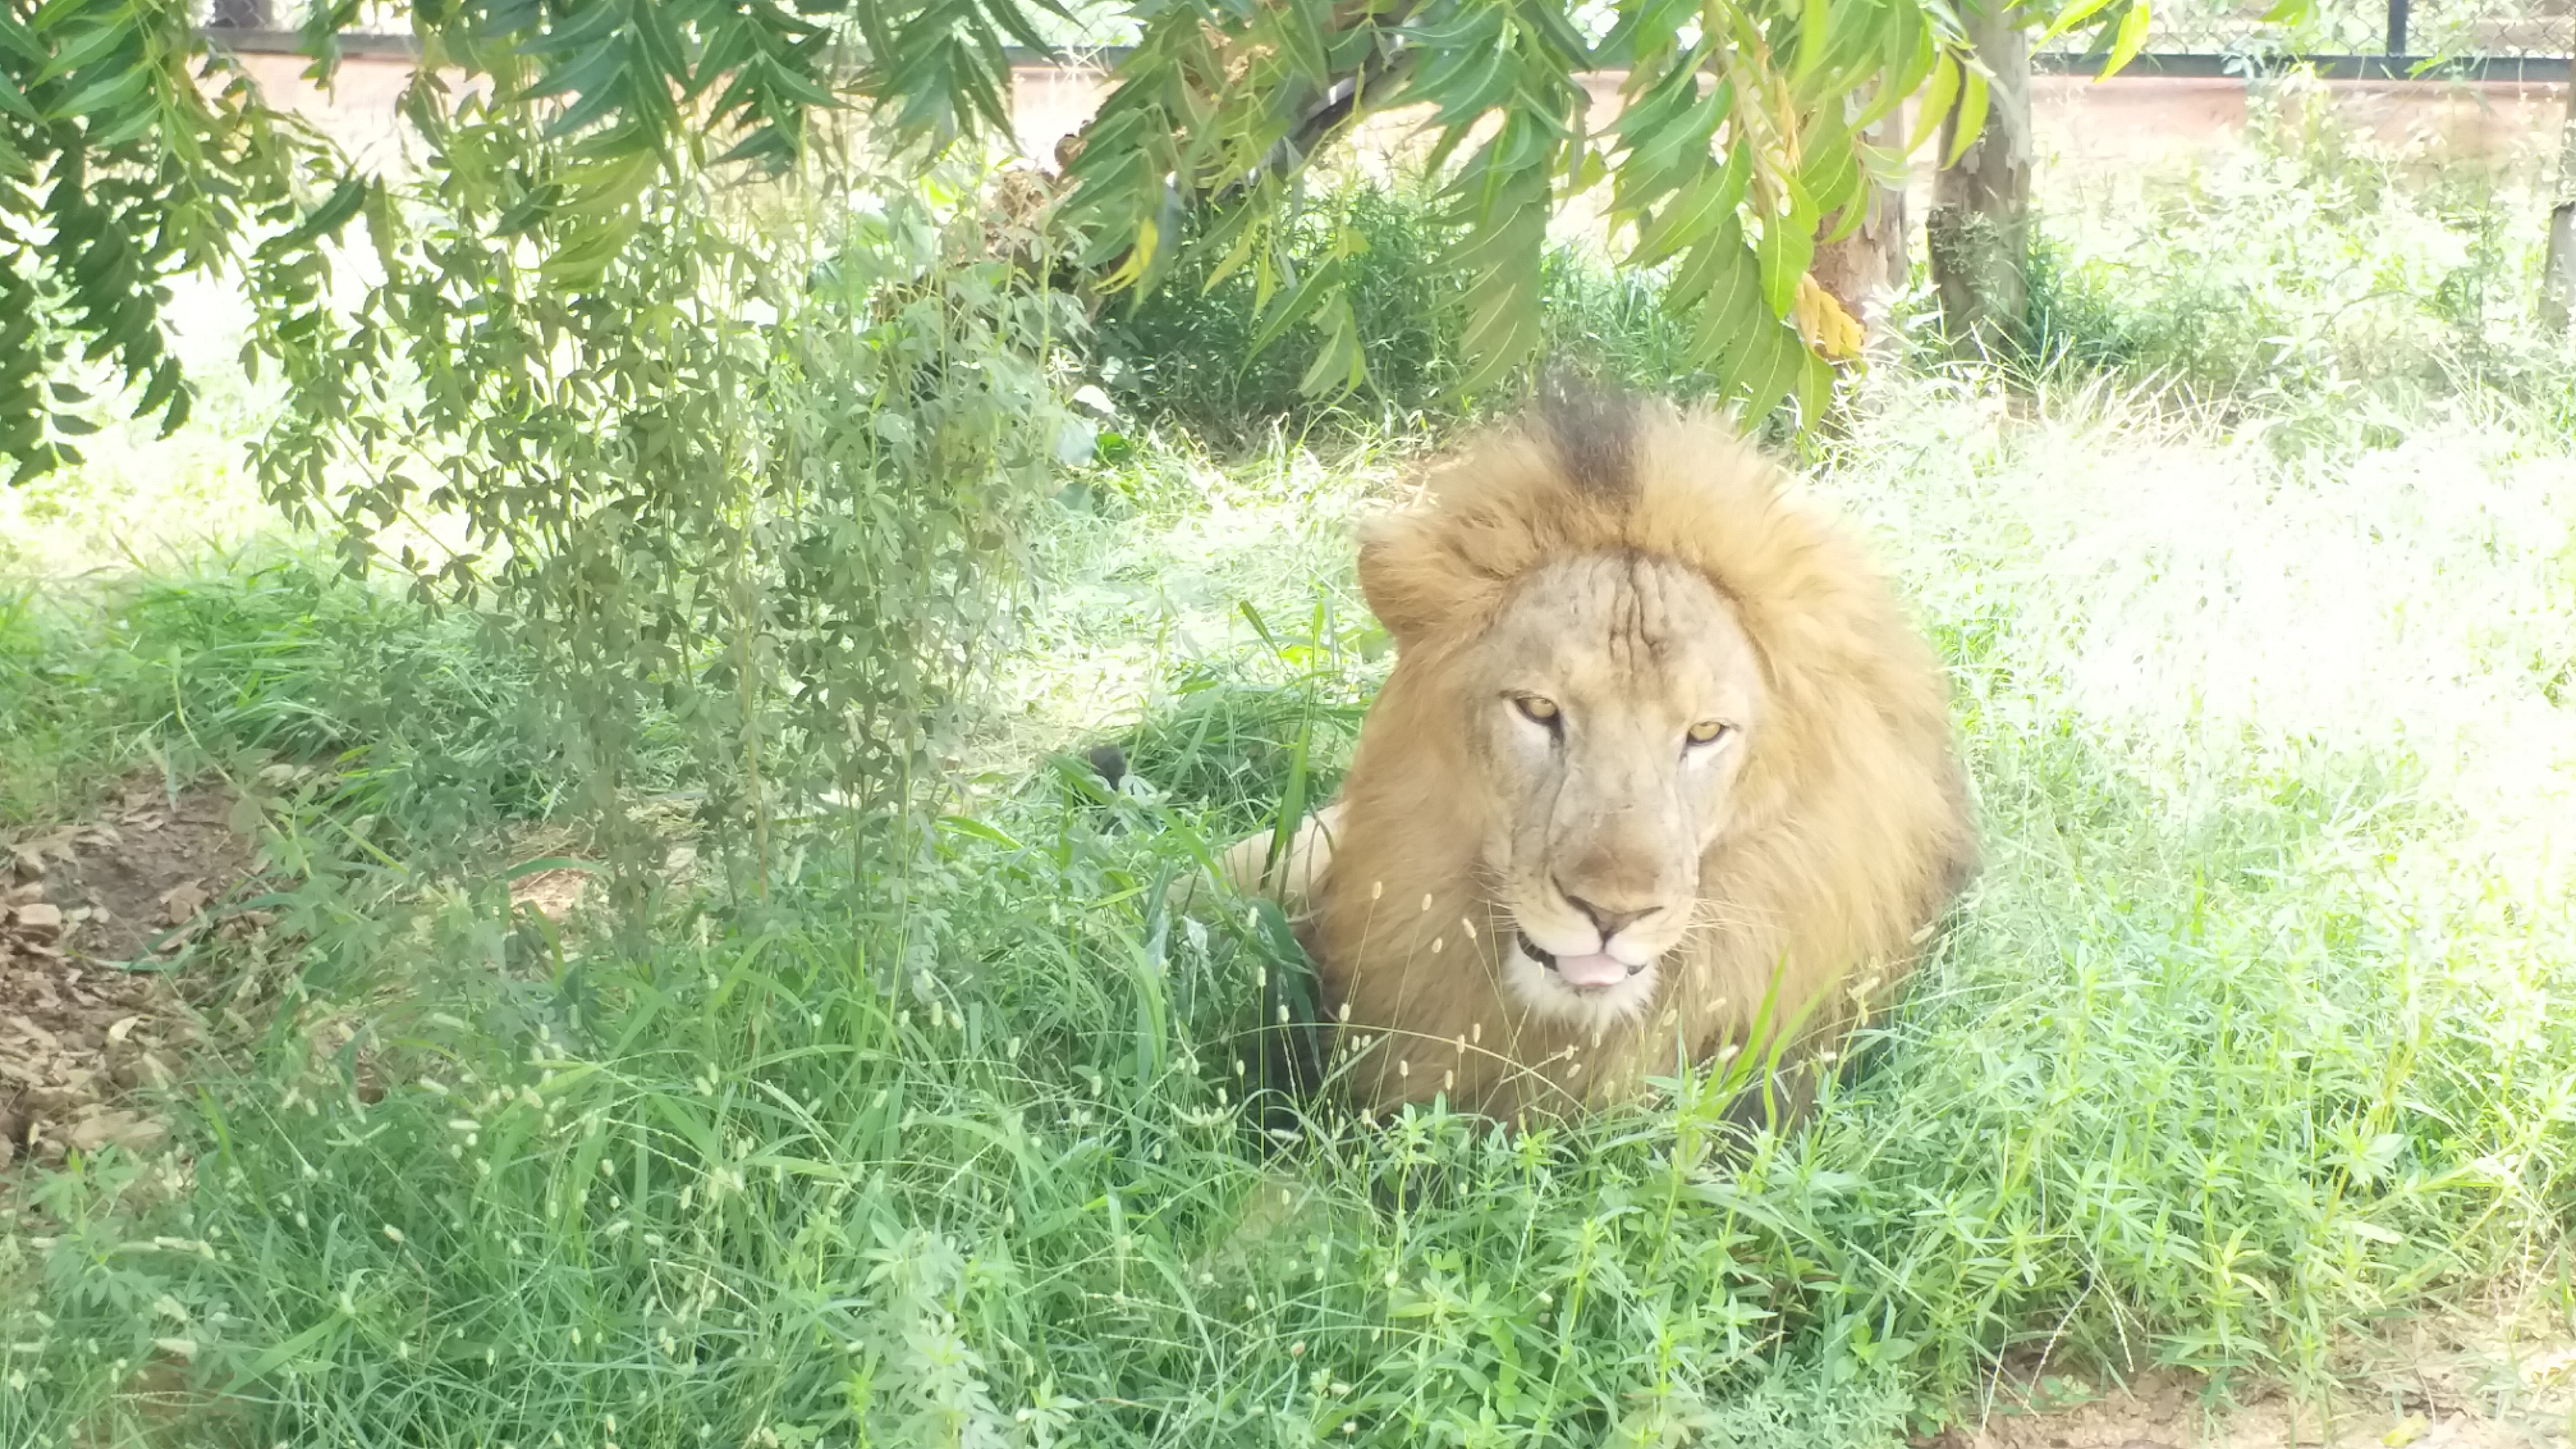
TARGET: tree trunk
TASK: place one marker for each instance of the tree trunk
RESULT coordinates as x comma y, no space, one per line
1865,269
2558,273
1979,230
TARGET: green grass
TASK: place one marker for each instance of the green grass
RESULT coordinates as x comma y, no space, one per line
2314,285
420,720
2251,1044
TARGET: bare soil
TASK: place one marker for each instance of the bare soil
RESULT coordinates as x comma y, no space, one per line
2484,1390
87,914
91,918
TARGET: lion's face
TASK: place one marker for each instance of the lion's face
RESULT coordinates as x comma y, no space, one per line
1610,709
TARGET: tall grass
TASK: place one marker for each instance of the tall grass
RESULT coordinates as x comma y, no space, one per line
419,719
2244,1045
2316,284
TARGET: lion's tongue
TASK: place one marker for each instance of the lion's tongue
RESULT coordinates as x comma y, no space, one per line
1602,970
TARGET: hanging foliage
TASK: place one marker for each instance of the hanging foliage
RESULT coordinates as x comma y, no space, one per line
130,155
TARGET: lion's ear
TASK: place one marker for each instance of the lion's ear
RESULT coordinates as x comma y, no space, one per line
1402,577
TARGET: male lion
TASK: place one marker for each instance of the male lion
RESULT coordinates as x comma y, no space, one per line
1658,746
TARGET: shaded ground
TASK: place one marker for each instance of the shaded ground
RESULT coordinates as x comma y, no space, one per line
92,916
89,910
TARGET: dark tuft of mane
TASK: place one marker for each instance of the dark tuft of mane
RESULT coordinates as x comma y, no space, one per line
1593,431
1109,761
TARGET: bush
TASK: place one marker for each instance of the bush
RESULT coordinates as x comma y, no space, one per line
1183,355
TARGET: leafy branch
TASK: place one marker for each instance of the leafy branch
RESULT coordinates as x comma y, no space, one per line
130,155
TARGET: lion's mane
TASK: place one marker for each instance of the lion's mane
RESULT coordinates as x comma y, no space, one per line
1851,833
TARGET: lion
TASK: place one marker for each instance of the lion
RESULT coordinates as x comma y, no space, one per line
1661,773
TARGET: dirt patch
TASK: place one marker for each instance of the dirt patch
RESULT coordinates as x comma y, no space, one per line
554,894
79,905
2498,1394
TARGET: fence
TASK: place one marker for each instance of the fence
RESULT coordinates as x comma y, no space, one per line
2526,40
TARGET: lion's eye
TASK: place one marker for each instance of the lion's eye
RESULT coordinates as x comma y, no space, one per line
1538,708
1709,731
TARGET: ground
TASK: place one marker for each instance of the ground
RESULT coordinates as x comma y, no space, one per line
2490,1395
95,912
94,1018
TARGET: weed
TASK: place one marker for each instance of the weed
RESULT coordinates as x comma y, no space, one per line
1184,353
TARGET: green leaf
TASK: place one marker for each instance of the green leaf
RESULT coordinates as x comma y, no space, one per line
105,93
18,40
1339,367
183,403
660,41
13,101
2072,16
1972,116
588,250
325,219
592,68
1815,387
90,49
1937,96
1299,305
2124,46
1006,15
1815,25
1908,62
616,95
1695,213
1831,176
1786,247
1300,39
1668,134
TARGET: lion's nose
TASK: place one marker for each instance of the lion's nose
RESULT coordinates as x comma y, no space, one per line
1608,922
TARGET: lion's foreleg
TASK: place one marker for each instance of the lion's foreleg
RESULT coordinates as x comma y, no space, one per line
1291,882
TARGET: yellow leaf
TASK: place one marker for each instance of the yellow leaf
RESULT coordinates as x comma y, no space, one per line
1821,320
1139,257
2408,1430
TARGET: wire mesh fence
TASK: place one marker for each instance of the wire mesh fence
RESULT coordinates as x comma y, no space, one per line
372,17
2437,30
2359,27
2417,29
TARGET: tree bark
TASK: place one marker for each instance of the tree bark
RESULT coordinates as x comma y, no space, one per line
2558,272
1864,270
1979,230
